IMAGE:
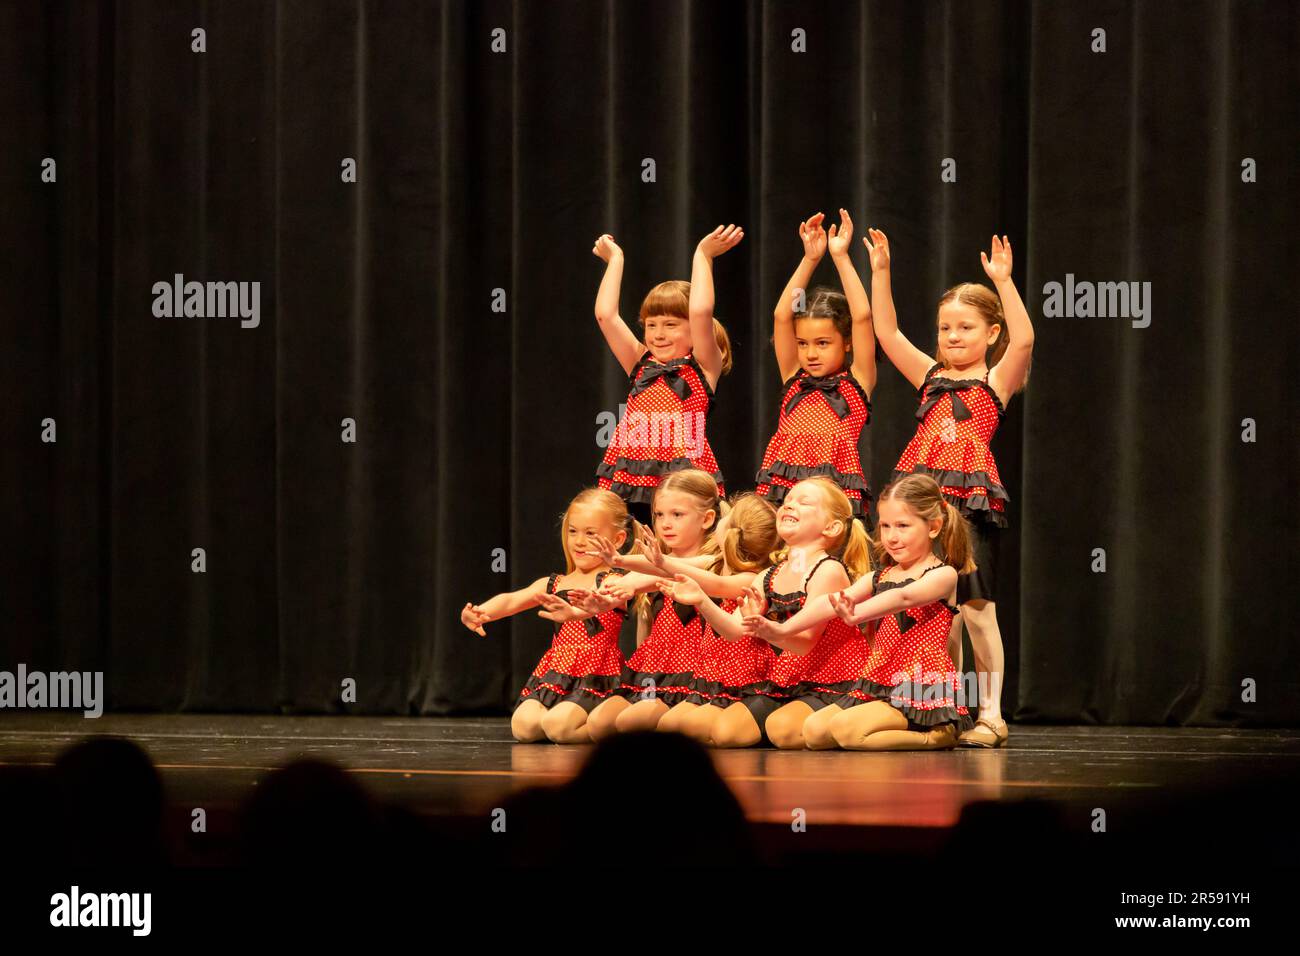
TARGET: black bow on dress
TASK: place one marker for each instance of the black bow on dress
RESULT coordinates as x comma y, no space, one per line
830,387
936,389
685,612
670,372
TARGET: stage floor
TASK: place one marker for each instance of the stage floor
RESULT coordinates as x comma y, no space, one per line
466,766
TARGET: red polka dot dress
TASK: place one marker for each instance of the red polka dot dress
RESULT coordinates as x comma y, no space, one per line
909,664
729,670
958,418
828,670
665,662
662,430
584,664
817,435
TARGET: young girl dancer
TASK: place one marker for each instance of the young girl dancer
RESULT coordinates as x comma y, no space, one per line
825,550
672,373
583,666
826,355
907,697
659,674
725,671
985,343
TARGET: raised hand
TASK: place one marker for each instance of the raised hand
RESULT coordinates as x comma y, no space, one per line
997,263
603,548
474,618
878,248
683,589
838,240
752,602
606,248
649,545
813,237
720,240
844,605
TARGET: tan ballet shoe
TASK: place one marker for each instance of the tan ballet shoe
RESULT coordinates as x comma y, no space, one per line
985,734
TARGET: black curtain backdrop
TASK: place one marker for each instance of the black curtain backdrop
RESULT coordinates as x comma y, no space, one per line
480,171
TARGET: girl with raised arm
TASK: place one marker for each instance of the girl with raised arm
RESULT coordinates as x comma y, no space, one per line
673,371
982,355
825,352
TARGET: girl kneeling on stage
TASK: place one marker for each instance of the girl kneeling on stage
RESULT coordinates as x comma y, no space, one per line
907,696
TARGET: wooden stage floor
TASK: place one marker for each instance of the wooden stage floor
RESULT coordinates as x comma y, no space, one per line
459,769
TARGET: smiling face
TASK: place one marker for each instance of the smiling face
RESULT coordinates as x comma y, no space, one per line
667,337
905,535
803,518
964,335
582,524
822,349
681,522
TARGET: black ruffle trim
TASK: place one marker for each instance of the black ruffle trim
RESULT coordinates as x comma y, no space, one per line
586,691
781,469
915,715
718,693
651,466
829,693
669,688
974,507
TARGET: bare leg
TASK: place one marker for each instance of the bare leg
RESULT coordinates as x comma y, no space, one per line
817,728
736,727
698,725
954,644
943,737
674,722
566,723
642,715
602,722
526,722
785,725
986,641
879,725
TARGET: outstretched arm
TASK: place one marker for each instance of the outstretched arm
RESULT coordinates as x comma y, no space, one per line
1009,374
813,237
729,627
627,348
910,361
703,344
863,366
935,586
803,630
474,616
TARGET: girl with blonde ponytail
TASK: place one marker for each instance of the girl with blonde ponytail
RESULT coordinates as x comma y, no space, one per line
907,697
824,549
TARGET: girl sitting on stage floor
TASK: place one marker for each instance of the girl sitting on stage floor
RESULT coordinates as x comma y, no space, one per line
727,673
907,697
658,676
825,550
583,665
